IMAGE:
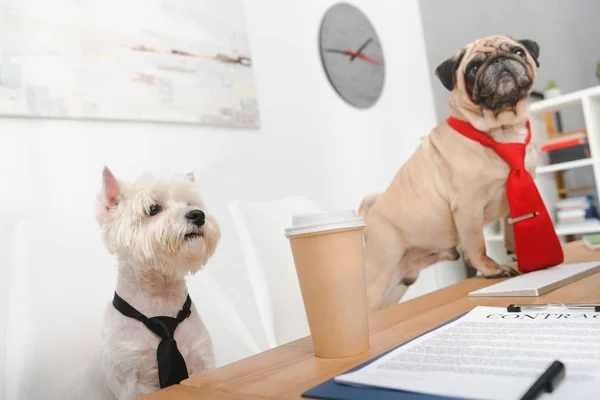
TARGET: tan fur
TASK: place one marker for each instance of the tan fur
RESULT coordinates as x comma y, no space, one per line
444,194
366,204
460,104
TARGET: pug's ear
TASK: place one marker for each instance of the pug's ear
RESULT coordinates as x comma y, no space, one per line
191,176
532,48
446,71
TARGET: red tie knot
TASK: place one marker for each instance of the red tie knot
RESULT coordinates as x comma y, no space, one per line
512,153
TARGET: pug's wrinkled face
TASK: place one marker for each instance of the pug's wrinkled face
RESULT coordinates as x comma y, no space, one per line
493,73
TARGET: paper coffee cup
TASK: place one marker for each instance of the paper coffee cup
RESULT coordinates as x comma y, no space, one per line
329,257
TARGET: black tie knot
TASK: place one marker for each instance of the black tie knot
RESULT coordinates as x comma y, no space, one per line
171,364
163,327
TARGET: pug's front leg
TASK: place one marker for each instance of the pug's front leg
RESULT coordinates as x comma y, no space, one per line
468,218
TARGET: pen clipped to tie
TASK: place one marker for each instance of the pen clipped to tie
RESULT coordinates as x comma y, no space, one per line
522,217
547,382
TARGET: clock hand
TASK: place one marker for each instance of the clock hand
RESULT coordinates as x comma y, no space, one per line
354,54
364,57
335,51
361,48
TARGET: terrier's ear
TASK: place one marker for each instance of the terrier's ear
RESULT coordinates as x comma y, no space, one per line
446,71
111,188
532,48
190,175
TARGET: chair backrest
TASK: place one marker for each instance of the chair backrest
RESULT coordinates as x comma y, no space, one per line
231,339
7,227
62,282
268,257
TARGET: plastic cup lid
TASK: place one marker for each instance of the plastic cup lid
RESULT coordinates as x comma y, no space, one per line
320,222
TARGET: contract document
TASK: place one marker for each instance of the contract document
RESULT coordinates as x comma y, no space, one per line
493,354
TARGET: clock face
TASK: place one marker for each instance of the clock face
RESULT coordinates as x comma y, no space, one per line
352,55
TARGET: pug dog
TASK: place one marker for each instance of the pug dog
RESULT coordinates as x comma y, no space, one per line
452,186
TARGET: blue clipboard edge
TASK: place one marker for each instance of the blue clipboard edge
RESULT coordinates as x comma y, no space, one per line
314,393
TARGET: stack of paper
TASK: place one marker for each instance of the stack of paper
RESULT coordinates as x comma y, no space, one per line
494,355
575,209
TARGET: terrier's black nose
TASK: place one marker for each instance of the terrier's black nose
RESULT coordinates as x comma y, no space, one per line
196,217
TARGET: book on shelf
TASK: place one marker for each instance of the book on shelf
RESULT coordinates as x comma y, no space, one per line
570,220
567,146
592,241
565,140
574,203
576,209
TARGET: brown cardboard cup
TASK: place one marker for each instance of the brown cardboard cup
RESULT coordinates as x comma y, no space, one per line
329,257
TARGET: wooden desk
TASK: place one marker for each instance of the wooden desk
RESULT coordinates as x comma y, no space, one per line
287,371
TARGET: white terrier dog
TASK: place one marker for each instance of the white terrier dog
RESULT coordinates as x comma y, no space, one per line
159,231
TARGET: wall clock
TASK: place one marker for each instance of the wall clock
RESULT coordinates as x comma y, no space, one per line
351,55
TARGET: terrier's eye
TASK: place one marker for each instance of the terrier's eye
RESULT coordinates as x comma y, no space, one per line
153,210
519,52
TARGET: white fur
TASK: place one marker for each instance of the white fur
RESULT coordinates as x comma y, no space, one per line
153,258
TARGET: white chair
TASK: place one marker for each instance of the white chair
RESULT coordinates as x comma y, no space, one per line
7,226
62,281
231,339
268,257
267,254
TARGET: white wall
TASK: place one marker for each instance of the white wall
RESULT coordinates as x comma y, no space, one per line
311,143
567,32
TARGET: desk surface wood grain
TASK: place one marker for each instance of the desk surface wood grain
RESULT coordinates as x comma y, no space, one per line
287,371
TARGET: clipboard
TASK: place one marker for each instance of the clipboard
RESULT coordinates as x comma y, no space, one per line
331,390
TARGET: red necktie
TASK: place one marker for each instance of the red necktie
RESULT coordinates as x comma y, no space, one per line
537,245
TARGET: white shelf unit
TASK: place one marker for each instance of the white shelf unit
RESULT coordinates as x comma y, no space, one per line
585,162
589,101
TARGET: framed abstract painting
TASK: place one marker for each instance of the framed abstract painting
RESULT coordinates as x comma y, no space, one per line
180,61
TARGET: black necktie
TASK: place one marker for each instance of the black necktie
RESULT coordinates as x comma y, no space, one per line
171,365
